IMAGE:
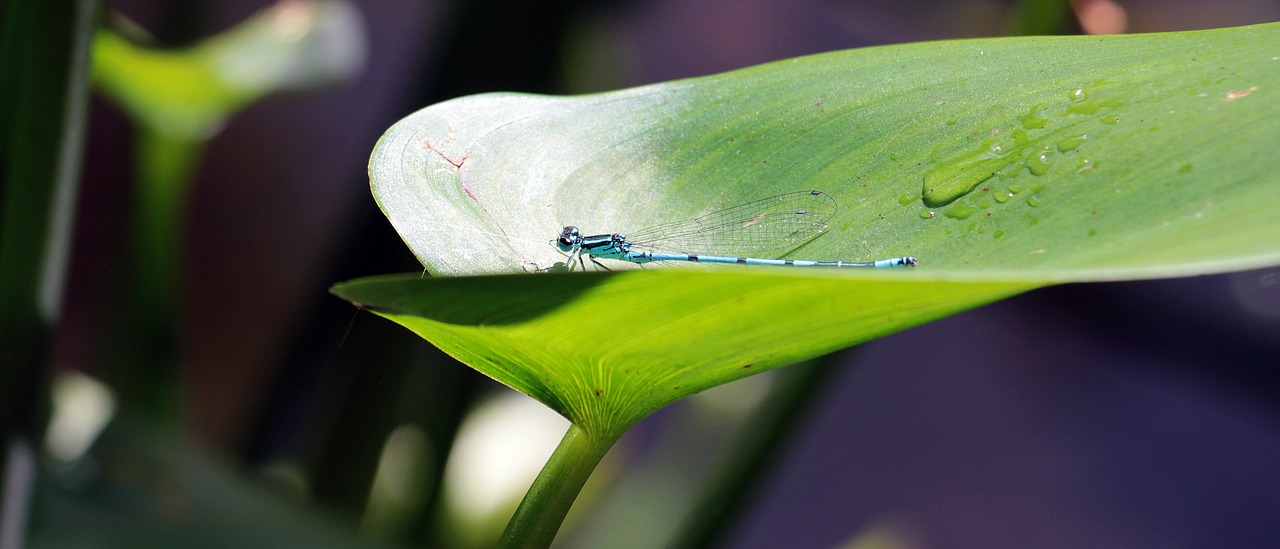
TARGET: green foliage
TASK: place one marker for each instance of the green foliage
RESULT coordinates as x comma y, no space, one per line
180,99
607,349
190,92
42,122
1003,165
44,49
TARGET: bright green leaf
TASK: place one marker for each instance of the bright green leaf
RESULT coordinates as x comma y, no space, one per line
1001,164
606,349
1073,158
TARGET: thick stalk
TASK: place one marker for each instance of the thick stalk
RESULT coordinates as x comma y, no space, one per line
44,60
544,507
146,345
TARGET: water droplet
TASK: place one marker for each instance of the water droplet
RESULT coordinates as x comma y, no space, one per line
1040,163
1001,146
1033,201
951,121
1032,221
1077,94
1093,232
1094,98
1186,168
981,229
1009,172
926,214
957,177
1035,119
1014,189
1002,197
1084,165
1111,119
906,198
999,233
960,211
893,157
1071,143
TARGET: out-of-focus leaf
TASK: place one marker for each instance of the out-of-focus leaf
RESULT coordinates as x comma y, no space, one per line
298,45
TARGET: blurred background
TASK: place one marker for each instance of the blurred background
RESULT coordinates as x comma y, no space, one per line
1138,414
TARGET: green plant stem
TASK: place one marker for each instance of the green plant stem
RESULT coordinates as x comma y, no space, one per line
544,507
166,170
43,102
755,451
146,346
44,59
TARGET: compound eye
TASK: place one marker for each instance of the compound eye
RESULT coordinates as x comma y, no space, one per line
569,236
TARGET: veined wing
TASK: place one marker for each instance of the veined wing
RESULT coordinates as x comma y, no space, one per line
765,228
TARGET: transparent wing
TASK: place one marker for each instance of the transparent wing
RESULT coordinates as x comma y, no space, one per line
766,228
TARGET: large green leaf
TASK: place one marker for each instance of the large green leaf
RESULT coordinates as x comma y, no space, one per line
606,349
1067,157
1001,164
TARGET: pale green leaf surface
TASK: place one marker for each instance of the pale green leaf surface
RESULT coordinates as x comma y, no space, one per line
1154,155
1001,164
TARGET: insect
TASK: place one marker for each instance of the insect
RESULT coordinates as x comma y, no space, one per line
768,227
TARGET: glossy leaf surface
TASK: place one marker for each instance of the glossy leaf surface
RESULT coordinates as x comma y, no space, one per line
1002,164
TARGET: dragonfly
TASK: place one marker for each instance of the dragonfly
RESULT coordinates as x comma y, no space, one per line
771,227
